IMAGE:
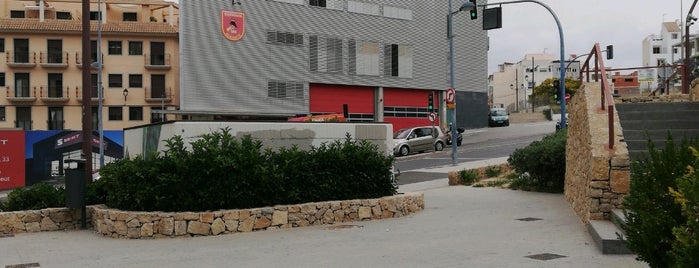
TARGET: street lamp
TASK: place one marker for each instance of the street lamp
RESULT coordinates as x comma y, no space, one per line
126,94
464,6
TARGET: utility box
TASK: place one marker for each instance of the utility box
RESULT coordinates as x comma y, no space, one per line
75,183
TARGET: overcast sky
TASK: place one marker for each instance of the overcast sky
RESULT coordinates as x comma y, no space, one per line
530,28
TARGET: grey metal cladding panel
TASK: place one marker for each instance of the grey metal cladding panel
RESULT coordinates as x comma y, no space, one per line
232,76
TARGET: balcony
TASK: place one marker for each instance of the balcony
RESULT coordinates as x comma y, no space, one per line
157,61
20,59
49,94
21,95
79,64
56,60
94,97
156,95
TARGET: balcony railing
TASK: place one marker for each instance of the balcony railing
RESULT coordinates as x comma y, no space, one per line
20,59
606,102
55,124
79,94
24,94
23,124
158,95
54,94
157,61
50,59
78,60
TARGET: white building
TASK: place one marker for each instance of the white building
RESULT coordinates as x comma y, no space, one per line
658,50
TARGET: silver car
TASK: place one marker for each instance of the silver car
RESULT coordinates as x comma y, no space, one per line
418,139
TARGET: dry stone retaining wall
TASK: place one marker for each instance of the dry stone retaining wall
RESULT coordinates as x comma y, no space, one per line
597,178
127,224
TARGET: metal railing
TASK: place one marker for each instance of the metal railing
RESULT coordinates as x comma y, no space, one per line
51,57
606,101
157,59
20,57
53,91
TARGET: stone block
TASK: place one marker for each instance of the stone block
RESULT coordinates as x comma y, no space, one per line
190,216
133,223
231,215
231,225
180,228
364,213
167,226
262,223
32,216
218,226
120,227
620,181
280,217
147,229
247,224
198,228
133,233
206,217
32,227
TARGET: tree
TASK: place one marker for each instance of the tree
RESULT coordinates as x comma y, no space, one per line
545,90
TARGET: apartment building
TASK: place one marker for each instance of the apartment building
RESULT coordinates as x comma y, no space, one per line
42,61
380,59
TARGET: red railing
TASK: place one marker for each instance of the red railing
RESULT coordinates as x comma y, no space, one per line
606,102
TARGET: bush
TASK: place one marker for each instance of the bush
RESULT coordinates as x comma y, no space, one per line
493,171
545,163
651,211
39,196
221,171
686,244
468,176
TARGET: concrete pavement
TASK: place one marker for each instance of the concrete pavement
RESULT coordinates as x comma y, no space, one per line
460,227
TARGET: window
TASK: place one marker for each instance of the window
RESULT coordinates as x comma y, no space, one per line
285,89
16,14
398,60
656,50
157,84
284,38
56,120
135,113
325,54
94,15
22,85
317,3
363,8
130,16
2,79
93,51
115,80
674,36
363,57
2,44
23,118
115,113
21,53
2,113
55,51
397,13
114,47
135,48
93,86
675,50
136,80
55,89
628,80
63,15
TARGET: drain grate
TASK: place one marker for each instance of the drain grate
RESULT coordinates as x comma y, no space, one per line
6,235
344,227
23,265
529,219
545,256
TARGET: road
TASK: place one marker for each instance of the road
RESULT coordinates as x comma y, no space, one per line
478,144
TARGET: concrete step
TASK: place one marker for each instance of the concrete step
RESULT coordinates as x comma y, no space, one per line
664,124
660,134
608,237
657,111
618,218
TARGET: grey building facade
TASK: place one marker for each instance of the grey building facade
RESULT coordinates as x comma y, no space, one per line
291,57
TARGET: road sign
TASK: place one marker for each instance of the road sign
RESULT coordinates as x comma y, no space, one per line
451,95
432,116
567,97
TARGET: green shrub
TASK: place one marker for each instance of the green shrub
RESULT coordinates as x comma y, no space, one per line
468,176
2,206
651,211
220,171
493,171
39,196
543,161
686,244
547,112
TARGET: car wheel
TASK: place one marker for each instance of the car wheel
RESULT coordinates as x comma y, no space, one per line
404,150
438,146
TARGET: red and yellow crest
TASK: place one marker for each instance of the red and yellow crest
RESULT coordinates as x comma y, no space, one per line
232,25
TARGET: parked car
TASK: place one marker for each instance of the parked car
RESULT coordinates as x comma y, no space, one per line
498,117
418,139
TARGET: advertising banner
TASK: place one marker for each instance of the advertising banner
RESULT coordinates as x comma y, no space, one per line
12,163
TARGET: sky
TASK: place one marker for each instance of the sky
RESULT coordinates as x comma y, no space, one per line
530,28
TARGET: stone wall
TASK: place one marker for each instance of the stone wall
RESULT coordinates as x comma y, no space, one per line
597,178
124,224
50,219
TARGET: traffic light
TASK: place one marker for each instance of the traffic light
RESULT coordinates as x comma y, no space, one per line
474,10
430,102
610,52
556,85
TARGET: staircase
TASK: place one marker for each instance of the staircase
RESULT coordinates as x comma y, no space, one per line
654,120
640,122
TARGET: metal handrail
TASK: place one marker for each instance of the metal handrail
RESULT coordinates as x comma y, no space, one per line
606,102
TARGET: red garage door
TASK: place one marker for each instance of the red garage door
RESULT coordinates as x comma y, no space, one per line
331,98
408,107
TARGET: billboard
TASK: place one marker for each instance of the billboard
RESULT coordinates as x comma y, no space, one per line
12,165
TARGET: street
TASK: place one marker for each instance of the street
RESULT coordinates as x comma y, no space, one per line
478,144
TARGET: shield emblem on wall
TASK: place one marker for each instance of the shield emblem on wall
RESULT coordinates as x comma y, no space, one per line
232,25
